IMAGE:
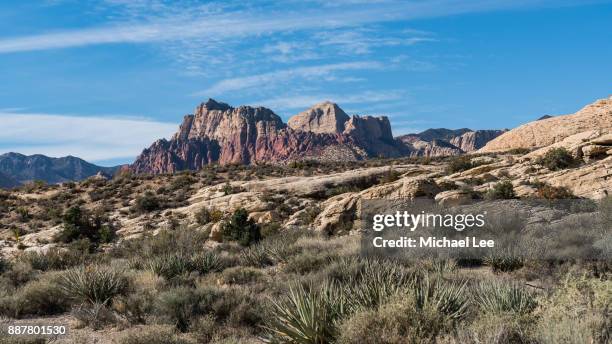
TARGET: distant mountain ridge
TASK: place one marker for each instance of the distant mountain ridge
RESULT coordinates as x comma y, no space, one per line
17,169
445,142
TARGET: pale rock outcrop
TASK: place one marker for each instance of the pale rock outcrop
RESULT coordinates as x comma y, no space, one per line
545,132
322,118
452,198
339,212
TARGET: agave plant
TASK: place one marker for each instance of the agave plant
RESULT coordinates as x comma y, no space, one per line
498,297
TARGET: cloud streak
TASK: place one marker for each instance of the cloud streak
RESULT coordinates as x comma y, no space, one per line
265,80
90,138
240,23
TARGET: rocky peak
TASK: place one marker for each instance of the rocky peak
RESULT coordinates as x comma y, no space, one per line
369,128
212,104
326,117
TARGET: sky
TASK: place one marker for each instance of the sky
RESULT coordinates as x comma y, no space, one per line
103,79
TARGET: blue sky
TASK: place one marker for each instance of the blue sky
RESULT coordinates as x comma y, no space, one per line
103,79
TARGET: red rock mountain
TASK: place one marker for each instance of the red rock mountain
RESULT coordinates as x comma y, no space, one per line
219,133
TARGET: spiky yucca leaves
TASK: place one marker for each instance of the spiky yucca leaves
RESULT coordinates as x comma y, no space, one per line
377,282
306,316
447,298
169,266
93,284
206,262
498,297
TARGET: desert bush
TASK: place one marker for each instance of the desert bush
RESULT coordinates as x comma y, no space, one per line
93,284
396,322
502,190
81,224
241,229
54,259
519,151
203,216
147,203
553,192
134,307
94,315
241,275
204,328
497,297
557,159
458,164
496,329
179,305
307,261
40,297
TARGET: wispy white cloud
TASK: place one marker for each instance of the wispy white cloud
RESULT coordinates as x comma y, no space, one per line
90,138
212,21
272,79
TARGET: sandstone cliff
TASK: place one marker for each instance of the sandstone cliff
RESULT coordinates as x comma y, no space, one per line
547,131
219,133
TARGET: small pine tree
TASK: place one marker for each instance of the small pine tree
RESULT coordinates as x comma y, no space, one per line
241,229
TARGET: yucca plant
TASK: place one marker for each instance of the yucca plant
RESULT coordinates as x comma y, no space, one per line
93,284
447,298
375,284
206,262
306,316
498,297
169,266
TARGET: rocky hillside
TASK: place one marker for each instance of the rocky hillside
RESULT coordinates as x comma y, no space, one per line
217,132
16,169
549,130
446,142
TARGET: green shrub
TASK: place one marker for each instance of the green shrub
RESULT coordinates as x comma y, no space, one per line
502,190
81,224
147,203
503,297
93,284
53,259
557,159
458,164
241,229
